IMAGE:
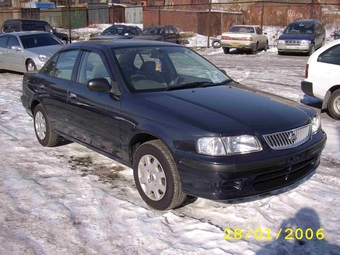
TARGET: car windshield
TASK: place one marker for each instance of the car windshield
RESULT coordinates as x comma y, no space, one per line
166,68
242,29
38,40
300,28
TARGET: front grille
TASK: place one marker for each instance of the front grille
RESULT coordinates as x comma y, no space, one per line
288,139
293,42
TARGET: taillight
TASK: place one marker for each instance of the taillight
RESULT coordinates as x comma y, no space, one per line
225,37
247,39
306,71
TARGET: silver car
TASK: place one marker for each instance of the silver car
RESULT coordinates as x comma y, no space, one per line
26,51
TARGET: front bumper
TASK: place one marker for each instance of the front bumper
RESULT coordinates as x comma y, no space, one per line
294,48
276,170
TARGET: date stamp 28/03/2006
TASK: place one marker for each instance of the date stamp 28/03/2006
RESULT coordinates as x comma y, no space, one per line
287,234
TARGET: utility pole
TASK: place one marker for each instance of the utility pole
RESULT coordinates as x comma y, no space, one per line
209,24
69,20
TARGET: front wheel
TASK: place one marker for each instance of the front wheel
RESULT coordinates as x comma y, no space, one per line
156,176
42,128
334,105
226,50
30,65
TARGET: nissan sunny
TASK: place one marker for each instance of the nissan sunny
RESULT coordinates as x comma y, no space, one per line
181,124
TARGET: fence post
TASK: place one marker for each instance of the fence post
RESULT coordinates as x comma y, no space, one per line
262,15
69,20
159,15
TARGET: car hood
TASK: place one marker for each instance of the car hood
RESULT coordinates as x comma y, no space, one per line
48,51
309,37
230,110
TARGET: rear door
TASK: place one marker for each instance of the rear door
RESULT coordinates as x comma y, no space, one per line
3,51
52,88
95,116
14,54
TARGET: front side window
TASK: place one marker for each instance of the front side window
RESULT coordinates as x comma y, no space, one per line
92,66
61,66
13,42
331,56
163,68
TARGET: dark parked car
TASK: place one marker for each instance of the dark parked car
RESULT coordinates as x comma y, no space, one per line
118,32
16,25
184,126
161,33
302,36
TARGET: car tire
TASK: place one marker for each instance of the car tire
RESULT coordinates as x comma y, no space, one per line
255,49
216,44
42,128
334,105
30,65
156,176
312,50
226,50
266,46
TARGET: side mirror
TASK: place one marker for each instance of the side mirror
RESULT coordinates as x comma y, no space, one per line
98,85
17,48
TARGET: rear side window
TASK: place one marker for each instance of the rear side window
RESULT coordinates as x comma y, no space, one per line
61,66
331,56
3,41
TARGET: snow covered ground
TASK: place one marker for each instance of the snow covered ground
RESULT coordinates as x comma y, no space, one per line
70,200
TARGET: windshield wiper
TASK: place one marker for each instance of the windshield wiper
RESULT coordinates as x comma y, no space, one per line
191,85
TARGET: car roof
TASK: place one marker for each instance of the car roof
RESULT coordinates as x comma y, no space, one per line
26,33
305,20
25,20
120,43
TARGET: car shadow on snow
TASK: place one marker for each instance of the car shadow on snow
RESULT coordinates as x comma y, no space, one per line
316,104
302,234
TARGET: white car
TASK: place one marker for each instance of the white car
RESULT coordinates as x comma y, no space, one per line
244,37
322,77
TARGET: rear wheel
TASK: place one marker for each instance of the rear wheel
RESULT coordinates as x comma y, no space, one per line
334,105
30,65
156,176
312,50
255,49
226,50
42,128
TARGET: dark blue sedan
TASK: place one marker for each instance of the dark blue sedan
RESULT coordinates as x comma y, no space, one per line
182,124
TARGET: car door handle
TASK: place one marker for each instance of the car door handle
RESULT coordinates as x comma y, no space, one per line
73,96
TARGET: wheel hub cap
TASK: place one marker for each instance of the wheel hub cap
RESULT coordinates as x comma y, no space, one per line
151,177
337,105
40,125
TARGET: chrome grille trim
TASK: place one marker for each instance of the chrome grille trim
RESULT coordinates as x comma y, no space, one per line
288,139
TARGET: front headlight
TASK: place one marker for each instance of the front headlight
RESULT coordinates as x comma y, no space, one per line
305,42
281,42
42,58
210,146
316,124
241,144
232,145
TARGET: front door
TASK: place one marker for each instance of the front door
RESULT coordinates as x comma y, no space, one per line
94,115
